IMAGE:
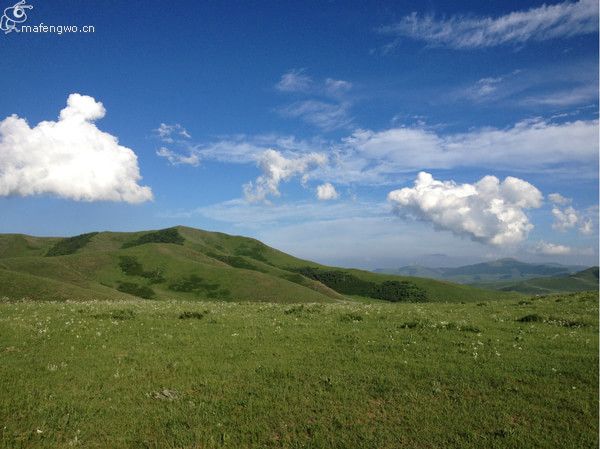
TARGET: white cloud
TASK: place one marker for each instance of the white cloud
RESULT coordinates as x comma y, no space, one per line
364,234
488,211
70,158
564,219
557,198
587,227
327,116
546,144
551,249
566,97
326,192
536,24
294,81
277,168
178,159
336,87
166,132
567,217
486,86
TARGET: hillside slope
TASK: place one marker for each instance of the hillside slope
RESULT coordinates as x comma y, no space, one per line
585,280
187,263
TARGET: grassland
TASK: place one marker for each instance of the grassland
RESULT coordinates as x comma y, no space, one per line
136,373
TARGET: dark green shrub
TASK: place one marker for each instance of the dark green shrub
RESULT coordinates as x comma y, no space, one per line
170,235
340,281
136,290
254,251
70,245
236,262
414,324
302,309
122,314
192,283
222,293
395,291
192,315
351,317
130,266
349,284
295,278
532,318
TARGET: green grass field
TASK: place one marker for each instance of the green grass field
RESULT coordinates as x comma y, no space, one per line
134,373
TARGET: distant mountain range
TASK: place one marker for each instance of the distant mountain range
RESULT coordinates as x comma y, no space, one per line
584,280
498,270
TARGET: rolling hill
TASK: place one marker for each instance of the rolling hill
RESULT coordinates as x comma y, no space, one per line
581,281
188,263
499,270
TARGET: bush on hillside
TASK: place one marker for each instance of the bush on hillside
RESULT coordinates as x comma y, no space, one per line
399,291
195,284
349,284
236,262
70,245
170,235
132,267
136,290
255,251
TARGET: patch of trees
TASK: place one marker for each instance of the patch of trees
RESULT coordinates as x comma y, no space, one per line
170,235
70,245
132,267
254,251
136,290
349,284
195,284
235,261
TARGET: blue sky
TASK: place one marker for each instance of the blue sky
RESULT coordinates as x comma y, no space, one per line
306,125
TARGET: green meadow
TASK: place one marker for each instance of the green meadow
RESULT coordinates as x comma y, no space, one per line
137,373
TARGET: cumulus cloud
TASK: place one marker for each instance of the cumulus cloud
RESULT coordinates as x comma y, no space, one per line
567,217
564,219
536,24
277,168
70,158
489,211
326,192
551,249
557,198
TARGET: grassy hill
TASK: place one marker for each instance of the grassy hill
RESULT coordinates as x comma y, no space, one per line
582,281
499,270
187,263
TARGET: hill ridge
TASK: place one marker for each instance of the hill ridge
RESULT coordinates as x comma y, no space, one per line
181,262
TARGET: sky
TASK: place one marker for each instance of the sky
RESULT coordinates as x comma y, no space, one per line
360,134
